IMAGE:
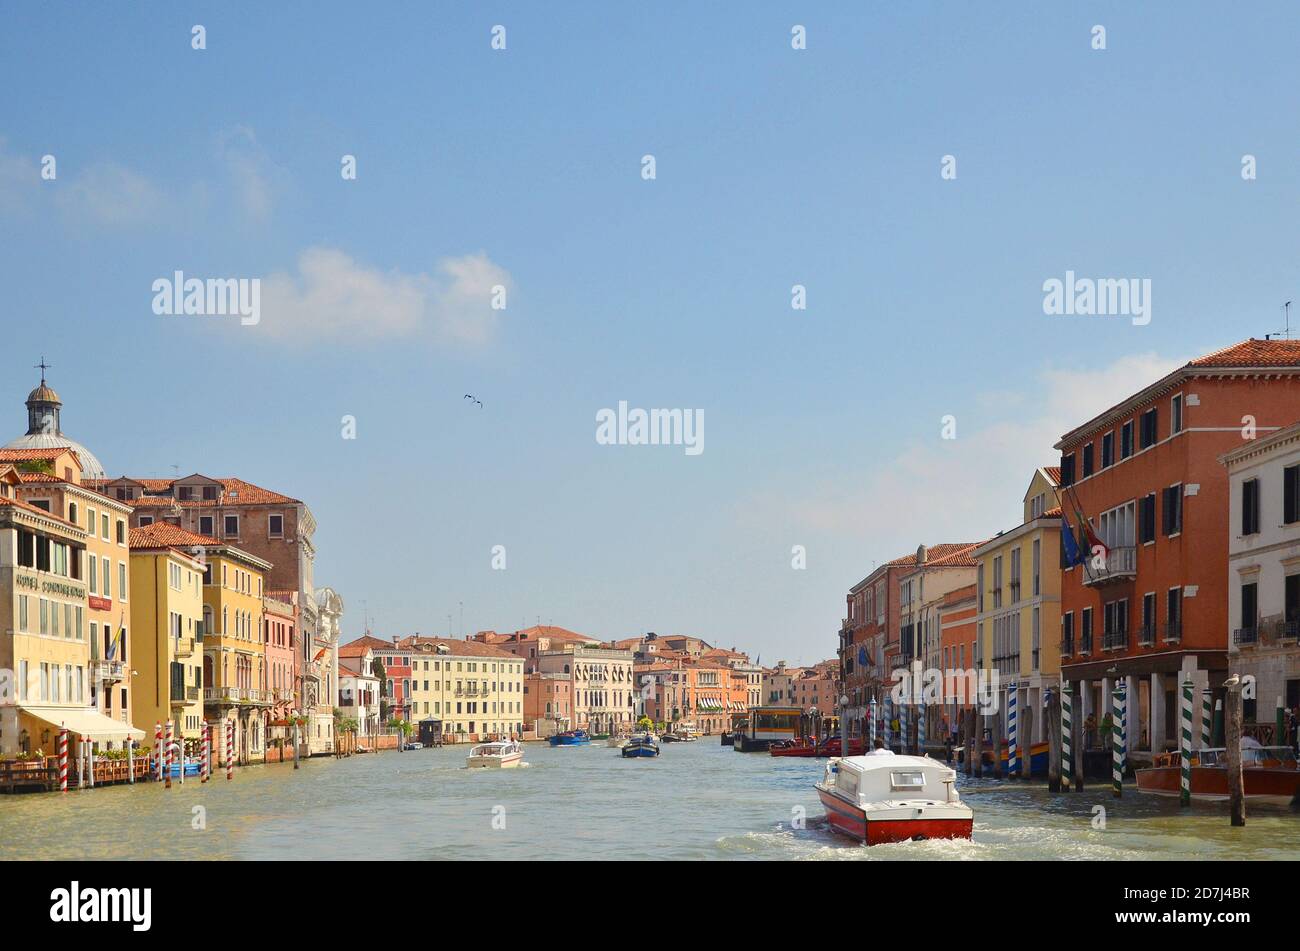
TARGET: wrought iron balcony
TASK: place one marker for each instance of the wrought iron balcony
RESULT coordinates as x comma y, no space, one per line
1146,635
1245,636
1067,646
1121,565
1173,631
1114,640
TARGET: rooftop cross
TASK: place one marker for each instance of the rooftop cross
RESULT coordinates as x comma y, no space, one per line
43,366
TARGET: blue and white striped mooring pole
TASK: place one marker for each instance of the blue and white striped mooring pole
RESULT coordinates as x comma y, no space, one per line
1011,729
872,726
1185,747
889,716
1207,719
1117,739
920,727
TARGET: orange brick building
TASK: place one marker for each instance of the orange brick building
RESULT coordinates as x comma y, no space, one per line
1145,474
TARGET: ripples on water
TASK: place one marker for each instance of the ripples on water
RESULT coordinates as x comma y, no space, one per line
695,801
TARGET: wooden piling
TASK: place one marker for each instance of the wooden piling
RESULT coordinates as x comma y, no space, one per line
969,729
1236,792
1025,736
979,745
1053,723
1076,740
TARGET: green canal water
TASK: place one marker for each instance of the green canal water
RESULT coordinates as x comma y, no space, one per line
696,801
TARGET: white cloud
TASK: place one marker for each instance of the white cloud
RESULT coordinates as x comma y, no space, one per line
19,179
251,172
967,489
110,194
331,295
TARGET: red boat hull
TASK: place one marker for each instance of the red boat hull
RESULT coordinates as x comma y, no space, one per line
851,821
1211,782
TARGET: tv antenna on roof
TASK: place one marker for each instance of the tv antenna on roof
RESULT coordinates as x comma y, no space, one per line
1286,320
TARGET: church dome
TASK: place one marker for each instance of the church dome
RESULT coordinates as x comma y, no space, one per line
91,468
43,430
43,394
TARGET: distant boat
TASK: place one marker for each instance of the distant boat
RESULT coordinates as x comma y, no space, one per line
641,745
616,742
500,755
570,738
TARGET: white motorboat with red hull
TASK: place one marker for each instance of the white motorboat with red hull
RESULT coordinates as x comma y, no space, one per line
883,797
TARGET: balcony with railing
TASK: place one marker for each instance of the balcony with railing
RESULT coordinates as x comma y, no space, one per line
1121,565
1085,644
1114,640
233,695
1146,635
108,671
1173,631
1245,636
1067,646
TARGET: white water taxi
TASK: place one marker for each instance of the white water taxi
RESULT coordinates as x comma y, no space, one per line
499,755
883,797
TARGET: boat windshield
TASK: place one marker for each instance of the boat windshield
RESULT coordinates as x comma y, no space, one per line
1282,756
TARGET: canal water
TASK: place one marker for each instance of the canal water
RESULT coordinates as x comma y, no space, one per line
696,801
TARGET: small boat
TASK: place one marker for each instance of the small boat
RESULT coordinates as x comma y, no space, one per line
640,745
803,746
885,797
570,738
499,755
616,742
1267,773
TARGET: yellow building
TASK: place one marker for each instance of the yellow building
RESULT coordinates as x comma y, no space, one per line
43,640
235,676
1018,601
166,629
51,480
476,690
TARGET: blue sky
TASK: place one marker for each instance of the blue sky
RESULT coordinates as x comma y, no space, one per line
774,167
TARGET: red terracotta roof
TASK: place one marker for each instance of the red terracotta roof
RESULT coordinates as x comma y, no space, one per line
362,644
1053,473
554,633
938,553
245,493
33,454
1253,353
167,534
455,647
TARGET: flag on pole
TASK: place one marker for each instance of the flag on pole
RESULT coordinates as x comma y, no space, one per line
1072,554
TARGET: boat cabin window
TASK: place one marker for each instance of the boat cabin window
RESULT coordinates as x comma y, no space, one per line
907,779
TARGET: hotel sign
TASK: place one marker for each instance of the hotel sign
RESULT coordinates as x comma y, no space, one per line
48,587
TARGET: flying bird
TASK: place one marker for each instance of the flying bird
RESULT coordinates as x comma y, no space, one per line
478,401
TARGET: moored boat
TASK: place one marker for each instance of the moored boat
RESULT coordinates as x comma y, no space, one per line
502,754
640,745
884,797
1267,773
570,738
